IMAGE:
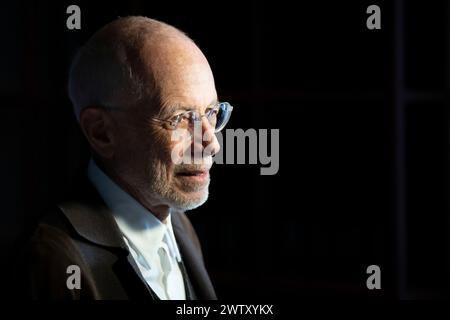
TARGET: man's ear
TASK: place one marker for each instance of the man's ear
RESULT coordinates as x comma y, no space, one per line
97,126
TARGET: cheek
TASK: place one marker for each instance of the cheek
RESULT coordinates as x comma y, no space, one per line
160,151
128,148
178,146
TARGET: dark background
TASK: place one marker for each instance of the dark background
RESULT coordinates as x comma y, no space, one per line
363,119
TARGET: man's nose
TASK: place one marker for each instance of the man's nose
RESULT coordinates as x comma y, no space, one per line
210,142
207,142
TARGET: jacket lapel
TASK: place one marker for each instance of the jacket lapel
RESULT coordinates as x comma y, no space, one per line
200,283
90,217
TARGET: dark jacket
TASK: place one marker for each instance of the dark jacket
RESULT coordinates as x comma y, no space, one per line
82,232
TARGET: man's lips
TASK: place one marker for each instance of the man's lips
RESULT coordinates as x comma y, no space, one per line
200,177
193,173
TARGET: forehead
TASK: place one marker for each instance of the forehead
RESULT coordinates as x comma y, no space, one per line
191,88
182,74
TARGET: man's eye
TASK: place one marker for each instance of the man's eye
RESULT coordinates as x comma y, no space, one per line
176,117
212,111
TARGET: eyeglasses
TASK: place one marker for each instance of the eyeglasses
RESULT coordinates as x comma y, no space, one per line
217,116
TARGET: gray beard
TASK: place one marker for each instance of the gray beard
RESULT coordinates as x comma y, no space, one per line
161,189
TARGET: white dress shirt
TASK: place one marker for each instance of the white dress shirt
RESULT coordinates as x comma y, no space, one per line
151,242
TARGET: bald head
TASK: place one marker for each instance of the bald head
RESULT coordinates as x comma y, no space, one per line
153,72
133,60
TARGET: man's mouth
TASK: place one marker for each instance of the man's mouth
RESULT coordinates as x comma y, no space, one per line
195,176
194,173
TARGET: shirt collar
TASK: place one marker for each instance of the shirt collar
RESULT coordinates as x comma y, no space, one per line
137,223
171,240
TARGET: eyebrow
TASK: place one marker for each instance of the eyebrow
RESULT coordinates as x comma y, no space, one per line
180,107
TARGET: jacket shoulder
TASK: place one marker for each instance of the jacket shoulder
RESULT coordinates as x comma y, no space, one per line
51,254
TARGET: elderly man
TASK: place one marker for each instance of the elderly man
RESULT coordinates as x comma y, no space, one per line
124,234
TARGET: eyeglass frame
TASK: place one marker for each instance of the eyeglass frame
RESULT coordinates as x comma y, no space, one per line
198,116
195,116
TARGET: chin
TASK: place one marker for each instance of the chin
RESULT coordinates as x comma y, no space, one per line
190,200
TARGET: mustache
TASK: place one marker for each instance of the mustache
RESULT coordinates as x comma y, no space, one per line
183,168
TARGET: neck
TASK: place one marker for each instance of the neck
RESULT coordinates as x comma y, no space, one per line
160,211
